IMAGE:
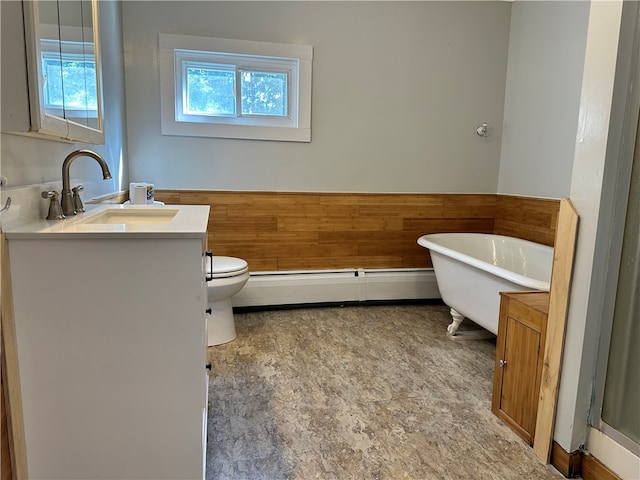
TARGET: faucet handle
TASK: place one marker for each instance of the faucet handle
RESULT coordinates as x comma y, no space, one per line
77,201
53,195
55,210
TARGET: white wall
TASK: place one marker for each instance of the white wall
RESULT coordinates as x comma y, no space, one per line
398,91
542,99
30,160
598,161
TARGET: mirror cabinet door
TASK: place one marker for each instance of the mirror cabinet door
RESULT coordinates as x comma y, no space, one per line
63,60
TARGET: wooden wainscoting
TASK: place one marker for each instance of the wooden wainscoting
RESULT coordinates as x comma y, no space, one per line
530,218
308,231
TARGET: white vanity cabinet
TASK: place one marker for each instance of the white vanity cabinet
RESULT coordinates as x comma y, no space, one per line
112,350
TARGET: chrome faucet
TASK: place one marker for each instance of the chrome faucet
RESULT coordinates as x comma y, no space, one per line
67,199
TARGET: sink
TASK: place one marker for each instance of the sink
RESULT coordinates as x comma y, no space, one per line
131,216
120,221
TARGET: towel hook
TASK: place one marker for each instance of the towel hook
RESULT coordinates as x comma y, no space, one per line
483,130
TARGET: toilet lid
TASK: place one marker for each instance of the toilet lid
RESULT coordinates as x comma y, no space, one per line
227,266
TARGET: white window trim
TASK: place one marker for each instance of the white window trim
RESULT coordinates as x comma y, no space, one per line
169,124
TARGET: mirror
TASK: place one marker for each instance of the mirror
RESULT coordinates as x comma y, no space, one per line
64,69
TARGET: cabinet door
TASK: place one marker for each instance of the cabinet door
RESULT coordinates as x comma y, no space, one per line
60,44
519,399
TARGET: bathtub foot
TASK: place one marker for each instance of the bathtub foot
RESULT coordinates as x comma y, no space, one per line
452,329
457,320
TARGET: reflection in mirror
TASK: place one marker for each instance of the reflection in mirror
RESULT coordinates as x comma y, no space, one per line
50,48
70,89
63,71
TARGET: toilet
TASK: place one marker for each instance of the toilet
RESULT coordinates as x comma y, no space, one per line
230,274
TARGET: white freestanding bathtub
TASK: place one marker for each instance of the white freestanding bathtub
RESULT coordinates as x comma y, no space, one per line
472,268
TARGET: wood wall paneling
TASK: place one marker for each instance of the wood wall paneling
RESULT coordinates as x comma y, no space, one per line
302,231
533,219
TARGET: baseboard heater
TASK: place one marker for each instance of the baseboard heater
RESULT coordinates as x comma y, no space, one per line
335,286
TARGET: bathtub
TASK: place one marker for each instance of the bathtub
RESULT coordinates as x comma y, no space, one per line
472,268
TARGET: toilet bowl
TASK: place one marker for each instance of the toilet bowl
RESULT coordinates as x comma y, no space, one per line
229,276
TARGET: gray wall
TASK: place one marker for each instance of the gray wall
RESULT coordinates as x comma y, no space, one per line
607,123
30,160
398,91
542,98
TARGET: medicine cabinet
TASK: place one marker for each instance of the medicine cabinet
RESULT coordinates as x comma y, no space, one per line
64,80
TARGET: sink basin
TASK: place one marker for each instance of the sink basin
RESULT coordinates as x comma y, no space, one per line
131,216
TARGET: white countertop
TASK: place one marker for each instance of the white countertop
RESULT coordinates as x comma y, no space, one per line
189,222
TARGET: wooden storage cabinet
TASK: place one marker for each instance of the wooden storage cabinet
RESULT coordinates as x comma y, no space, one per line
519,357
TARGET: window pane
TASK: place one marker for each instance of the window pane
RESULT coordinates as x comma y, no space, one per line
264,93
79,79
70,84
210,91
53,83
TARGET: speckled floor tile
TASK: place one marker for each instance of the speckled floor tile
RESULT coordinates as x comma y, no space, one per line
376,392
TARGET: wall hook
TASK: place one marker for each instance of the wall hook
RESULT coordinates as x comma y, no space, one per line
483,130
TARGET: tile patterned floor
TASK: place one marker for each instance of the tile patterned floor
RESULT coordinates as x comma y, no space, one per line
376,392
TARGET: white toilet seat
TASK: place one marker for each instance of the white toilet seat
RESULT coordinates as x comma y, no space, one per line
225,267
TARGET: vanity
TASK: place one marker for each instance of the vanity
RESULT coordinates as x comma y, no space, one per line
109,312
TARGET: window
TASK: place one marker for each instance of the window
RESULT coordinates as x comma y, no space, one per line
235,89
69,86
